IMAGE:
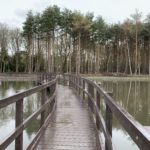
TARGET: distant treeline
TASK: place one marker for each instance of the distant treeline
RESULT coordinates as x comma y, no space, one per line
61,40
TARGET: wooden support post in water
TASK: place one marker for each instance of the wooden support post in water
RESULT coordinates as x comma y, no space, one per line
76,84
92,94
69,79
83,85
79,83
108,122
88,90
98,105
43,99
19,120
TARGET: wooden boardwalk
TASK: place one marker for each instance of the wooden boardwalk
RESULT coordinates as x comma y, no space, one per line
69,123
71,127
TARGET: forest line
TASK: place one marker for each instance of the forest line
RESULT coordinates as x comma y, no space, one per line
62,40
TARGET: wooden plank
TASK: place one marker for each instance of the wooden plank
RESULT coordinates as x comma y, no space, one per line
147,128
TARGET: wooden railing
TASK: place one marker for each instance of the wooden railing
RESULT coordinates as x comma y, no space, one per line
44,77
47,106
94,93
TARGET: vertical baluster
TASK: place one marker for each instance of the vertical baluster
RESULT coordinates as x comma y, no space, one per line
79,84
18,121
76,84
43,99
69,80
98,106
108,122
89,91
72,82
92,94
83,85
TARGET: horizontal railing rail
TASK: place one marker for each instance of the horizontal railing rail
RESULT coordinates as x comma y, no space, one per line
47,106
85,87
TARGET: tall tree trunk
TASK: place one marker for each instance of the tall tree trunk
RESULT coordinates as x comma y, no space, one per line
78,54
49,53
129,59
136,50
17,56
30,54
149,57
52,51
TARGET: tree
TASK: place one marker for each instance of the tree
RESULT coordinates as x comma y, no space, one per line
80,24
4,40
99,28
16,41
137,21
49,23
28,34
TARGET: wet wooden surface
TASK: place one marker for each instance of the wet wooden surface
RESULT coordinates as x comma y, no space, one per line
147,128
71,127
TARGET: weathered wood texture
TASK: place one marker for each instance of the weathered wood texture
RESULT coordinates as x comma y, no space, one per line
136,131
71,127
47,105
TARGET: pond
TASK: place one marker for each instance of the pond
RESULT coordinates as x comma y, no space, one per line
7,114
133,94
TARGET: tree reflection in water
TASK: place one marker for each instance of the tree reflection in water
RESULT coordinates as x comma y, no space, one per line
7,114
134,96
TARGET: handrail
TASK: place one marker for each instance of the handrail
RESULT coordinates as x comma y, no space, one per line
18,96
133,127
48,100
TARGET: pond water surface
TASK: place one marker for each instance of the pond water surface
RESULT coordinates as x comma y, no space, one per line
134,96
7,114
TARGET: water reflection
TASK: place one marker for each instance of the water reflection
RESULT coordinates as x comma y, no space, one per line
134,96
7,114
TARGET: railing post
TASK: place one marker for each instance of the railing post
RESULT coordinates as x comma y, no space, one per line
72,81
83,85
69,77
79,84
90,91
64,79
98,106
92,94
43,99
108,122
19,120
76,82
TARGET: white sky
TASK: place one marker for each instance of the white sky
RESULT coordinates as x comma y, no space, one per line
13,12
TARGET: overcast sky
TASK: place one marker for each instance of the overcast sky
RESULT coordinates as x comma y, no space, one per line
13,12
